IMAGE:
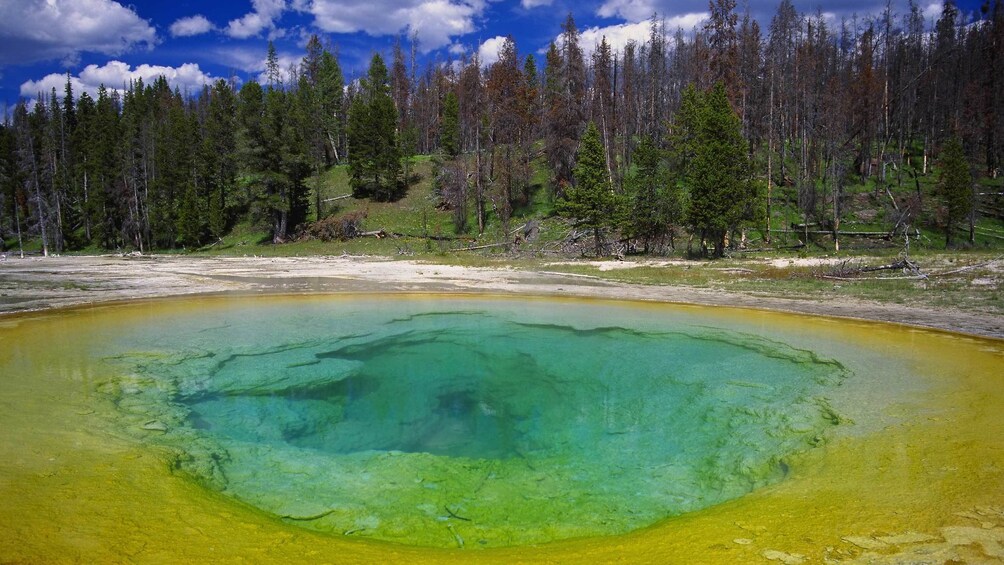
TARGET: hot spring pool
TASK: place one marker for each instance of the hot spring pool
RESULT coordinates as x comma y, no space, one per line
320,426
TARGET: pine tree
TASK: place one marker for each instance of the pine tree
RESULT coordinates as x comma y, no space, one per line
955,185
27,138
311,65
284,197
105,208
361,158
9,212
191,216
263,117
374,155
656,202
219,156
250,143
272,71
331,95
400,87
531,97
449,130
722,194
603,105
591,201
298,159
83,143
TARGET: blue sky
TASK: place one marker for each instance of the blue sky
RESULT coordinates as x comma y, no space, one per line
191,42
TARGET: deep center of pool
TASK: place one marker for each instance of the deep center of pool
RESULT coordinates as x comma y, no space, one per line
478,429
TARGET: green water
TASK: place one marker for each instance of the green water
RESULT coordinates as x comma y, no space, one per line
472,423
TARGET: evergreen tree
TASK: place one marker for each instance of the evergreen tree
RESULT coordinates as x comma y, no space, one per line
717,170
331,96
955,185
191,215
71,209
361,147
9,214
400,87
656,199
531,97
374,155
310,68
219,156
272,71
272,198
26,136
105,208
283,198
189,223
449,131
262,117
250,143
591,201
83,141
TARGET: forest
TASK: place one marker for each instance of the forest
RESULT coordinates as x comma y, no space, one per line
700,134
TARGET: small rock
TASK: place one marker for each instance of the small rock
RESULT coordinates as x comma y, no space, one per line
990,541
908,537
786,558
742,541
865,542
155,426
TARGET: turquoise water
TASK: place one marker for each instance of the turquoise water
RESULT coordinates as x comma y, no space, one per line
476,423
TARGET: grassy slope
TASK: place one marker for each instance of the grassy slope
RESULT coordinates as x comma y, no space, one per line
413,217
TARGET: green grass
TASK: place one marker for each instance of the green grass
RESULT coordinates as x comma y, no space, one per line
976,290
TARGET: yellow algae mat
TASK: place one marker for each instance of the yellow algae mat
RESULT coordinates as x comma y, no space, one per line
889,447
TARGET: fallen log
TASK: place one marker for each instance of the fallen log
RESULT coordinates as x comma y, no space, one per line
850,279
434,237
964,269
342,197
903,264
476,247
875,234
844,271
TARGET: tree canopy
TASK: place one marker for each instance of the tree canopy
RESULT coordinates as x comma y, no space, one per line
716,168
955,184
374,156
591,200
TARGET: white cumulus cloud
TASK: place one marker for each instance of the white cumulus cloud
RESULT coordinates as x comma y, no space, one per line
619,35
530,4
262,17
39,30
251,60
192,25
932,12
435,22
631,10
488,53
115,75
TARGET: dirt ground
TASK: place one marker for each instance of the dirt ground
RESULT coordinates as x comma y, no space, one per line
38,283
